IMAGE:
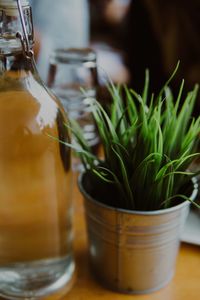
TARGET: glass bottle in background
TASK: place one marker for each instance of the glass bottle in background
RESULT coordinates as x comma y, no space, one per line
35,178
73,78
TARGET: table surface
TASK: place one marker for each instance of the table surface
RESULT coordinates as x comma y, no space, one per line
184,286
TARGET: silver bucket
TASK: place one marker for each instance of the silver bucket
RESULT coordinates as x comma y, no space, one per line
133,251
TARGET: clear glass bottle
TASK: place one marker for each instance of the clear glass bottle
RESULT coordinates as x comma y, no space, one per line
35,175
72,70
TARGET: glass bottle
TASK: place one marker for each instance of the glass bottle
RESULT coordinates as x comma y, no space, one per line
35,178
72,70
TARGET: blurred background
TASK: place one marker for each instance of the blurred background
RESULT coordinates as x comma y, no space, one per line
127,35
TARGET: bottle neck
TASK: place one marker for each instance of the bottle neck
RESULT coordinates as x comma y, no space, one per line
14,62
11,26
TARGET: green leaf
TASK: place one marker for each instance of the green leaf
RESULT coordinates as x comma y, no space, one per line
125,178
146,87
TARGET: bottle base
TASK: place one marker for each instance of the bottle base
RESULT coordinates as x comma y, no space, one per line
36,279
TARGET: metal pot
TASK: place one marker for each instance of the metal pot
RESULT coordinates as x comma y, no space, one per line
133,251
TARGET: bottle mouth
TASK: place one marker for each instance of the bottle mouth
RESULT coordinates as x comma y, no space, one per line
11,25
10,6
13,3
73,55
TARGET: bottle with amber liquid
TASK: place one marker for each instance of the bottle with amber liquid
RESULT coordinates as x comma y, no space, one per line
35,178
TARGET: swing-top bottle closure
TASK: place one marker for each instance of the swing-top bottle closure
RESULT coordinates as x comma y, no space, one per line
16,29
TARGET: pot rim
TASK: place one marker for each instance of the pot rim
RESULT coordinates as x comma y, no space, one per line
138,212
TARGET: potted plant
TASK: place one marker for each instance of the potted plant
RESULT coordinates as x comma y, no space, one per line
137,196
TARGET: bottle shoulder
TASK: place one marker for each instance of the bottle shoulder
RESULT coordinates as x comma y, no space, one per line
30,121
27,95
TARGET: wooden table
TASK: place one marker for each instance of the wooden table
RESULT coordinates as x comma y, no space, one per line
184,286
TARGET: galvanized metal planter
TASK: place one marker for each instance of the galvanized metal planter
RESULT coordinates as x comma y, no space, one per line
133,251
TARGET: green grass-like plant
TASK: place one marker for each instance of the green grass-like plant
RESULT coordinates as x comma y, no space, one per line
148,146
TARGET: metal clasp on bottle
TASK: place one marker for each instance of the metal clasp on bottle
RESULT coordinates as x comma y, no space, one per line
27,50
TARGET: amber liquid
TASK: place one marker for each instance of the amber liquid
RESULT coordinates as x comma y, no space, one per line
35,179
